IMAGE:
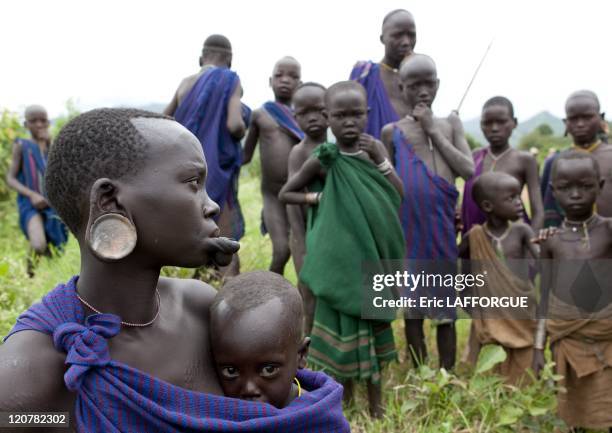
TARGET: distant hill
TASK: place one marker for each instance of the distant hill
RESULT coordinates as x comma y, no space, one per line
472,127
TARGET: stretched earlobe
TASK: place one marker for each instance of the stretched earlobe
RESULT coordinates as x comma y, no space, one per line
111,237
110,234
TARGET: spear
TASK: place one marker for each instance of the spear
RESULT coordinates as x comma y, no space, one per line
474,76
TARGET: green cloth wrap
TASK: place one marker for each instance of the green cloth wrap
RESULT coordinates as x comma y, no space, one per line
356,221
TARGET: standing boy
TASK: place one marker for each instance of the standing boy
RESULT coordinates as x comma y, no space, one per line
309,107
579,309
499,249
497,123
26,175
583,122
429,153
275,127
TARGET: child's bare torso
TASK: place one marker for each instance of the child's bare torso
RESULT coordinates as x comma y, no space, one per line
513,163
603,155
274,147
434,160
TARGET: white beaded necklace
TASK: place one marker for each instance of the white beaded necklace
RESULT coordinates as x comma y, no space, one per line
573,226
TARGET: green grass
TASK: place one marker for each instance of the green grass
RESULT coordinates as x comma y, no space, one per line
417,400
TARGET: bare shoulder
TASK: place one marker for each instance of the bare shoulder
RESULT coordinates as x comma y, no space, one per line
445,124
608,224
604,148
526,157
256,114
298,155
387,130
191,295
523,228
604,156
297,150
188,82
32,374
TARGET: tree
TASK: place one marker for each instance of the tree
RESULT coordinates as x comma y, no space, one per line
542,139
10,129
545,130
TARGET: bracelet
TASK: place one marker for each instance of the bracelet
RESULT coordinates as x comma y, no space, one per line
540,335
313,197
385,167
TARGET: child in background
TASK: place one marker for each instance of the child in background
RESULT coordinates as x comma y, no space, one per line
500,249
497,123
356,221
38,221
274,126
579,309
309,107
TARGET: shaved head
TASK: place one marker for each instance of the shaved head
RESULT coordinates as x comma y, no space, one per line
344,86
396,13
31,109
417,62
486,186
287,60
583,94
217,43
217,51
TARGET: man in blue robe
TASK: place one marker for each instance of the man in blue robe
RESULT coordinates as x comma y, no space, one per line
208,104
381,80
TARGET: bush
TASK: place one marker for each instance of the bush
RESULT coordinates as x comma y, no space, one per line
10,129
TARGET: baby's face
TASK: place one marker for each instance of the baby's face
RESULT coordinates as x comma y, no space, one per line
255,356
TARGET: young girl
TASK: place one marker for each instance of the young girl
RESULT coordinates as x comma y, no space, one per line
356,221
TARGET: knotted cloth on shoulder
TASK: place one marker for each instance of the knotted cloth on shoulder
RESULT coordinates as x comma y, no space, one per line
113,397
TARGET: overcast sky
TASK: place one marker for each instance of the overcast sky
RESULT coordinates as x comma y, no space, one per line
105,53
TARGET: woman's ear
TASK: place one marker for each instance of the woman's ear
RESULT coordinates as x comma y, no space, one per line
110,232
103,197
303,352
